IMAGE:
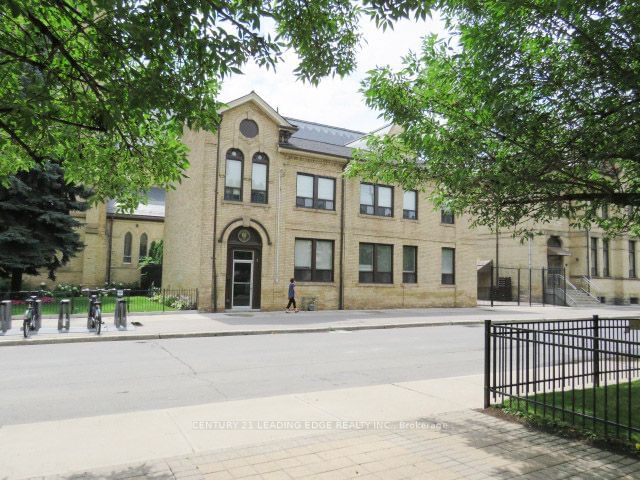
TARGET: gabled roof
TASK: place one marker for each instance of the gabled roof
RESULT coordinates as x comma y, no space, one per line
268,109
312,136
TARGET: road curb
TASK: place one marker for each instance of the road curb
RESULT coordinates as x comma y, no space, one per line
226,333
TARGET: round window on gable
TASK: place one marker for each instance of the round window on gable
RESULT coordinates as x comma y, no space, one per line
248,128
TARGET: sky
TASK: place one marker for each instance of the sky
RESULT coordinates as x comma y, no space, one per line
334,101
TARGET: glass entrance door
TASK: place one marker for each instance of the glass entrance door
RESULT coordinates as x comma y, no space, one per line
242,280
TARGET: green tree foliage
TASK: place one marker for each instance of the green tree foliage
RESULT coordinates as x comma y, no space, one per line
156,252
531,110
36,228
105,87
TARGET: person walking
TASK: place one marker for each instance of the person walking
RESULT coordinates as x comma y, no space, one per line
292,296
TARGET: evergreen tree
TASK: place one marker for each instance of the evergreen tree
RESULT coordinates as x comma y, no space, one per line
37,230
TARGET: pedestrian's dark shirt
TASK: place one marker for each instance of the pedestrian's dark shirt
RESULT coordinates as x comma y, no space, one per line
292,290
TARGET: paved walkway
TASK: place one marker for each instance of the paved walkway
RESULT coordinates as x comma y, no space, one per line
465,444
415,430
183,325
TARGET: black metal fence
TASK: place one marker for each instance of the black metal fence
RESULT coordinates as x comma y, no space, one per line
585,373
522,286
138,301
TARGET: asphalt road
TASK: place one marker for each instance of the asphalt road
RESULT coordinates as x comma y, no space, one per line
52,382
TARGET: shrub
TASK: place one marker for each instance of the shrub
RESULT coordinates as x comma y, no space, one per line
67,289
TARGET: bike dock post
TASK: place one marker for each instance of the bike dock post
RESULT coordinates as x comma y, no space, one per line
64,314
120,317
38,315
5,315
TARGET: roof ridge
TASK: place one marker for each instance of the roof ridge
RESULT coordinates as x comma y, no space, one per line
320,141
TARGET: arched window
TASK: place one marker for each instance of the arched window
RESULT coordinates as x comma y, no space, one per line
143,245
126,258
233,178
259,178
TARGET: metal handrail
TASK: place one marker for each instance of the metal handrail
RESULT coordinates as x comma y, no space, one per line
567,296
573,287
590,284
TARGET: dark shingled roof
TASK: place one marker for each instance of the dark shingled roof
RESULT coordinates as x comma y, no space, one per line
315,137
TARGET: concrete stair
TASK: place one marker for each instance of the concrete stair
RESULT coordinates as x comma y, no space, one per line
579,298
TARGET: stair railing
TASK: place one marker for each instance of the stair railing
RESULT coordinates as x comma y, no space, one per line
589,284
572,288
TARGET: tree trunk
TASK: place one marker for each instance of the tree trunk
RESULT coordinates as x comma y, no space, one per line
16,280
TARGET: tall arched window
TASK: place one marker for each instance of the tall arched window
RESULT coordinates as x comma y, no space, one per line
233,178
126,258
143,245
259,178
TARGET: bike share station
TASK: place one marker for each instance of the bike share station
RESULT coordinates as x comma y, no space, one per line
31,322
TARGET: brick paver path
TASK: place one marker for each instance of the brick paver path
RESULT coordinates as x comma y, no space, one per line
469,444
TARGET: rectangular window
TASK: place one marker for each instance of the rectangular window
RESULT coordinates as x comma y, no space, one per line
632,259
409,264
446,216
313,260
594,257
326,193
448,267
315,192
605,258
376,263
233,180
259,183
376,200
410,205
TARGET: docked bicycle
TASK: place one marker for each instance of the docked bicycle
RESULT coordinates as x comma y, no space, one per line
31,316
94,317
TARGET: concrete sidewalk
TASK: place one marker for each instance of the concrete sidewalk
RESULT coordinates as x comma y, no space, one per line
448,446
70,445
184,325
418,430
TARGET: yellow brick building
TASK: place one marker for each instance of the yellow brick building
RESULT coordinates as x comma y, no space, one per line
264,200
606,268
114,243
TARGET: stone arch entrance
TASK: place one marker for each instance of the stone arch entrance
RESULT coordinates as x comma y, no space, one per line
555,254
244,268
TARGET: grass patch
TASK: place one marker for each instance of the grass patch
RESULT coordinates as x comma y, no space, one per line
594,406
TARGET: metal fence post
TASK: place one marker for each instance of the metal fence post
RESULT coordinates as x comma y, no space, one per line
163,291
530,277
564,289
596,351
518,286
543,288
487,363
197,299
